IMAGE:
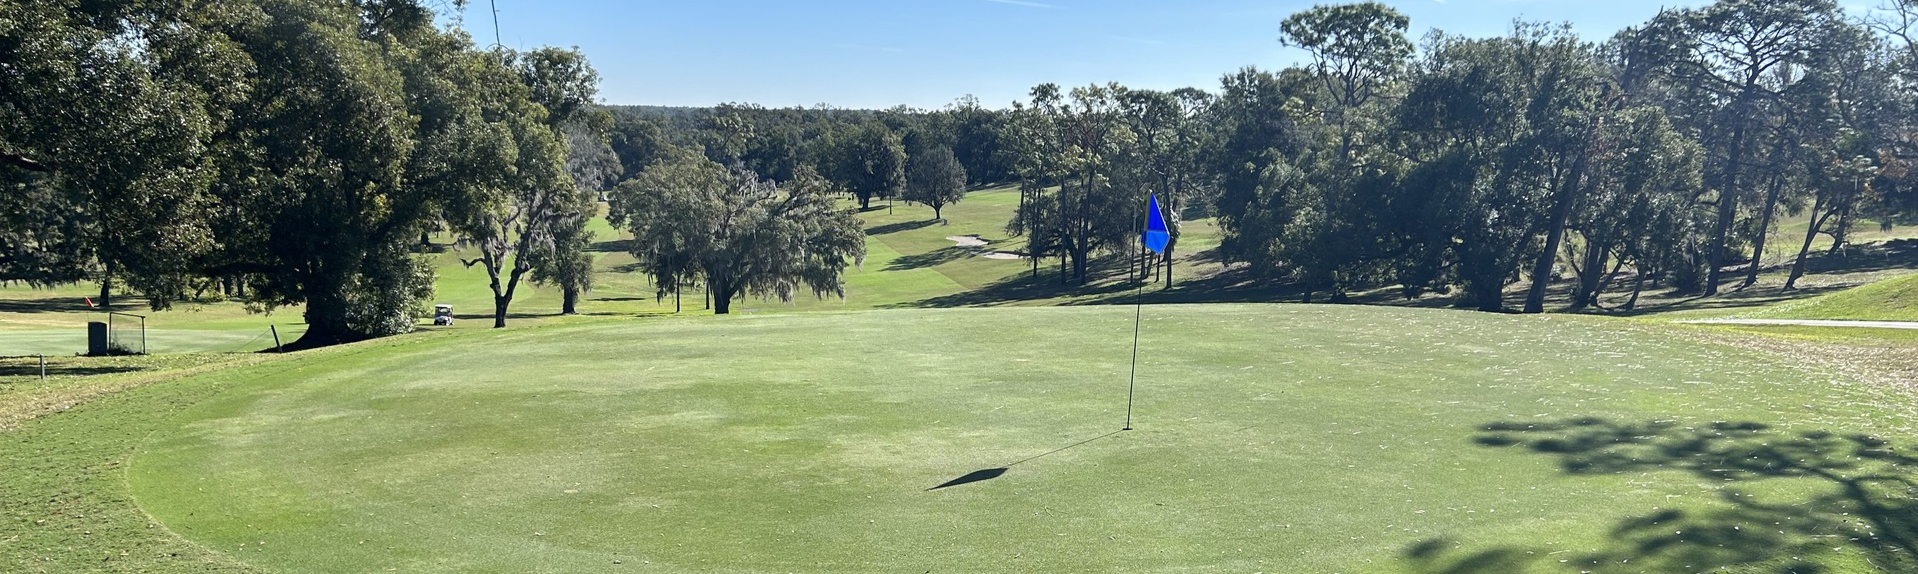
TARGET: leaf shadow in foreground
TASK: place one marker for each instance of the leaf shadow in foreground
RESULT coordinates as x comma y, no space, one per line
1797,502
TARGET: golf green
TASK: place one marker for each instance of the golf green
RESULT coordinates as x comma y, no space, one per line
1276,438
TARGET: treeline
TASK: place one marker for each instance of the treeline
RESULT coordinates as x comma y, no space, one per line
303,152
1659,158
866,152
289,152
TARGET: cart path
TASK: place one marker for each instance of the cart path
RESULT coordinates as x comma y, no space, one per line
1809,323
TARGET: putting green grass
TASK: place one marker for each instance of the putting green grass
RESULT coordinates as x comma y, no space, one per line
1275,438
1889,300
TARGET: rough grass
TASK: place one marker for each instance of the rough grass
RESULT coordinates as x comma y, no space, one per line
1888,300
71,381
1270,438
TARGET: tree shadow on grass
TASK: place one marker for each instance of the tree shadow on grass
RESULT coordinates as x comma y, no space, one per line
510,316
1728,298
1788,501
31,368
929,259
1886,256
44,305
1856,261
1022,287
901,226
611,246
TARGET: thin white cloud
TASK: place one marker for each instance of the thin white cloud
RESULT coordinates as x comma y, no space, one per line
1023,3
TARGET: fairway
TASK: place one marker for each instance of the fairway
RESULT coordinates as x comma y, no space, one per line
1291,438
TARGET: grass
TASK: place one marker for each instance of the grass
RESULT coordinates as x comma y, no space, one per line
1852,335
1271,438
1276,438
70,381
1889,300
64,503
52,321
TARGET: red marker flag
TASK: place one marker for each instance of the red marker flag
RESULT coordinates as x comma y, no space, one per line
89,301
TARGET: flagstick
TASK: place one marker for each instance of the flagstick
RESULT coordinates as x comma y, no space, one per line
1138,310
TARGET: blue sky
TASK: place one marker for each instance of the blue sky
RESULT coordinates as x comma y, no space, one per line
926,53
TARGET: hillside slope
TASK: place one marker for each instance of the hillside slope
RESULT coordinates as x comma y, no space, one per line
1889,300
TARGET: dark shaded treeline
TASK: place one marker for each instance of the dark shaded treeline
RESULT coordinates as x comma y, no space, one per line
288,152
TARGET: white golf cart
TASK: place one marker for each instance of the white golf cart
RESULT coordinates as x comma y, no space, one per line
443,315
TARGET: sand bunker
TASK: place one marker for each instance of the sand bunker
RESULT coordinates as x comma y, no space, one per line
976,241
966,240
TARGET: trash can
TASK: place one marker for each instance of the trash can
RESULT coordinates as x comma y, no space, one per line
97,338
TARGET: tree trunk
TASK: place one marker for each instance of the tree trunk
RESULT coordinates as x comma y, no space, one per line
935,213
502,300
502,294
1842,230
1171,243
569,302
1490,299
1764,231
1606,282
1147,264
1818,220
1562,200
1727,212
1638,286
1542,269
1590,274
721,293
1167,261
106,286
1079,265
1715,254
865,201
325,317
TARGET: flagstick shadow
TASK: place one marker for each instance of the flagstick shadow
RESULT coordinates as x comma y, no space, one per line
986,474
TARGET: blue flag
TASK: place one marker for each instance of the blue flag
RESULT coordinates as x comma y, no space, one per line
1156,234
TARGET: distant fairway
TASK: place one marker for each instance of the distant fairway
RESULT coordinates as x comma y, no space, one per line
1270,438
908,261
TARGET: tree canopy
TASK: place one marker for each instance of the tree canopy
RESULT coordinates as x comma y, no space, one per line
936,179
696,221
